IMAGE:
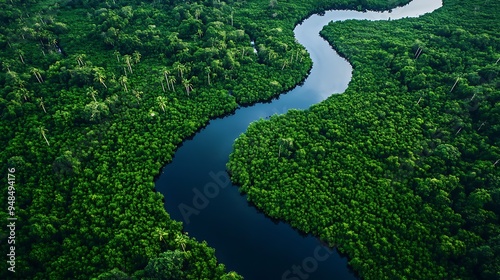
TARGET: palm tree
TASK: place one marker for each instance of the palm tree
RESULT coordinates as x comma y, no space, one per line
21,83
42,131
418,53
208,71
37,74
127,60
6,65
79,59
453,87
285,63
20,53
180,68
39,16
481,126
25,93
53,42
117,54
162,102
40,100
187,85
181,239
284,46
162,233
172,81
166,72
24,29
162,85
231,276
94,109
137,57
137,95
92,92
302,53
100,77
242,52
123,82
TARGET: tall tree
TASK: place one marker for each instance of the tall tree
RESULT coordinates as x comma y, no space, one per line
92,92
181,68
137,94
181,239
123,81
100,77
42,132
40,102
162,102
187,85
117,54
172,80
20,53
25,93
6,66
128,62
137,57
162,234
79,59
285,63
36,73
166,72
208,71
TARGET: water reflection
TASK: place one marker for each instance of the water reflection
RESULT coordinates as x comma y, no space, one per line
246,240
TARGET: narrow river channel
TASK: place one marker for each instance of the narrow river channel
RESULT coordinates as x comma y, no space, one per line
245,240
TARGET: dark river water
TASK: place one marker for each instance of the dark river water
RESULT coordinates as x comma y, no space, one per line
198,192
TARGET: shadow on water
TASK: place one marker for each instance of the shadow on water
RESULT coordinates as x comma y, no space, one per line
197,184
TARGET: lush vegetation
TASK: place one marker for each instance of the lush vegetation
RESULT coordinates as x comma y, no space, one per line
402,171
96,96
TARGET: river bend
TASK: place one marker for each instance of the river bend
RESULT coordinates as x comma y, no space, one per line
246,240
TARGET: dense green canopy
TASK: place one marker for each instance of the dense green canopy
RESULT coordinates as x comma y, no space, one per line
402,171
94,98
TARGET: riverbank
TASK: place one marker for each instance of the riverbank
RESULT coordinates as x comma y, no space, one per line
217,213
390,169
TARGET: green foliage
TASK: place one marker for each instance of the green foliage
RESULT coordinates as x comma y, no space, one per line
66,164
114,274
96,95
401,172
167,266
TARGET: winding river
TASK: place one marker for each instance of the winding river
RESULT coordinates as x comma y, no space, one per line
245,239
